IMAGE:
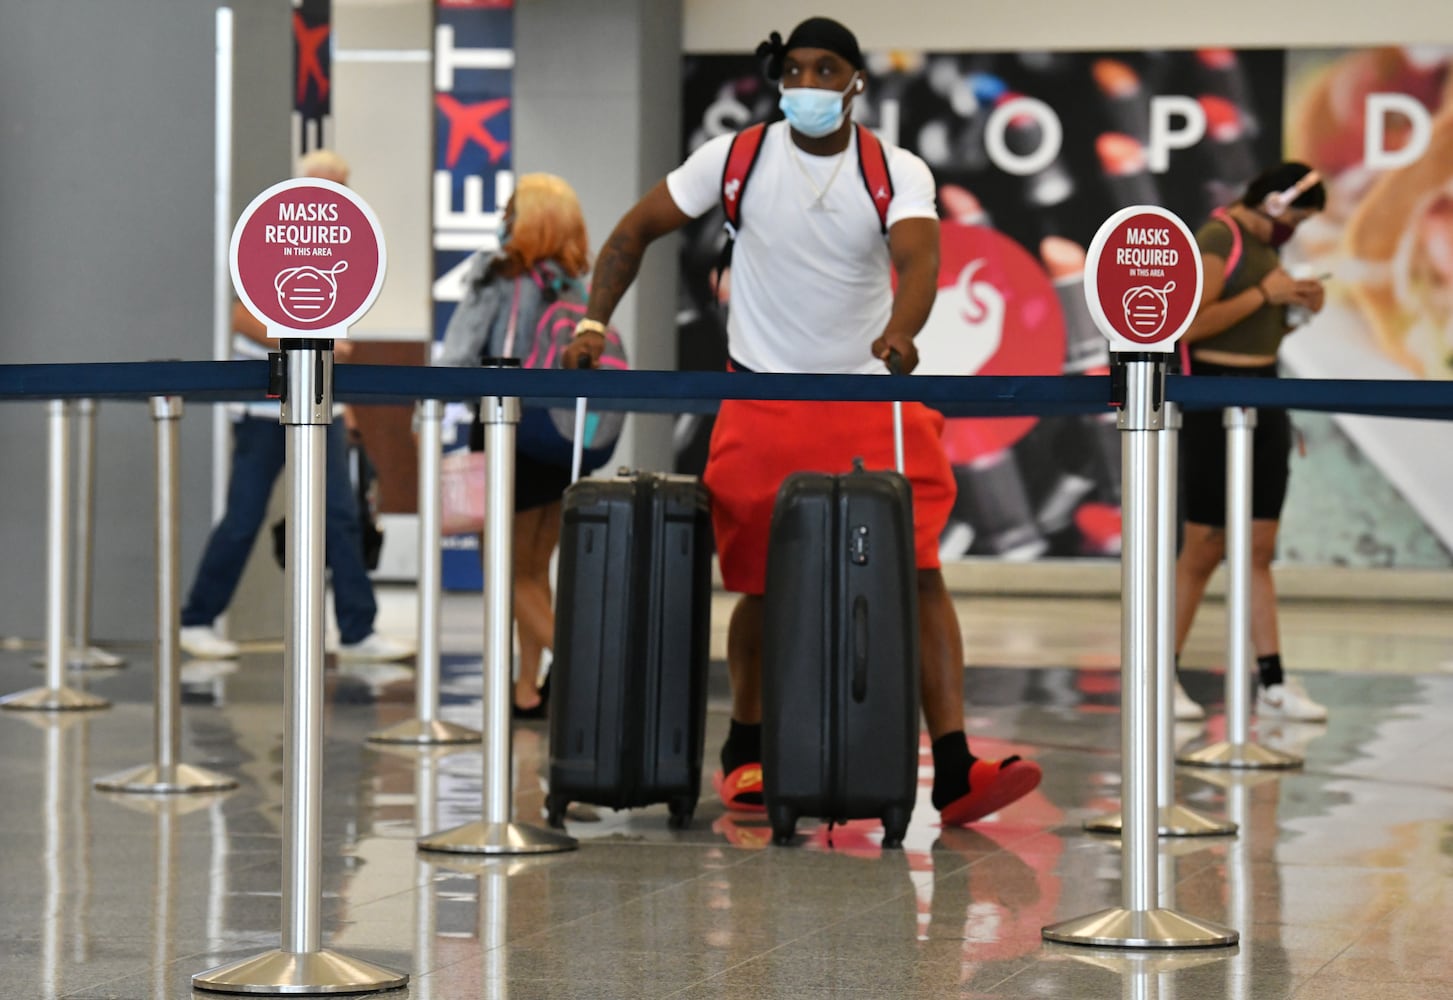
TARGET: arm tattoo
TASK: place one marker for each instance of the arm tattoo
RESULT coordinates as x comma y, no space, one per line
615,269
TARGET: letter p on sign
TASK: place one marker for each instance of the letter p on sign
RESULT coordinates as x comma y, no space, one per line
1164,136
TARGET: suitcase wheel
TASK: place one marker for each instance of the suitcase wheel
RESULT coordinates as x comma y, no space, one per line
682,810
895,826
784,825
555,806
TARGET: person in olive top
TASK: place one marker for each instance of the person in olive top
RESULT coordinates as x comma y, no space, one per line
1238,330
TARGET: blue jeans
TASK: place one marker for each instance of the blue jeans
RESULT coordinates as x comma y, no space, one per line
258,456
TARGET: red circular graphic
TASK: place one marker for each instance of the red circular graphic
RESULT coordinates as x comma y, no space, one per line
307,257
996,314
1147,276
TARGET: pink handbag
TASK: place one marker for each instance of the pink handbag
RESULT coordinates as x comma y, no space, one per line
461,492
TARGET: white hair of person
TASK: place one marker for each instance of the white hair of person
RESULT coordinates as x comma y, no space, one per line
324,163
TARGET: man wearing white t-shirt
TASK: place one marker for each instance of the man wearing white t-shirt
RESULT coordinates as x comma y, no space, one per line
812,291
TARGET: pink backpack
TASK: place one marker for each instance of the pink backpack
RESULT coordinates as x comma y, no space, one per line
547,434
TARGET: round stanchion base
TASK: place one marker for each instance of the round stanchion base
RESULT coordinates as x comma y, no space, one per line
421,733
90,658
1247,756
1172,821
177,779
62,699
1170,847
1159,928
1144,963
290,973
497,838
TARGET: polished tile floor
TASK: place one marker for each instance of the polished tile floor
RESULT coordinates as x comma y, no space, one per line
1339,882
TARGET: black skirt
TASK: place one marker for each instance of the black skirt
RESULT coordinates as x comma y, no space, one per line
1203,456
537,484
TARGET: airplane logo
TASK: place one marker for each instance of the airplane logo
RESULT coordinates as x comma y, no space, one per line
310,67
466,122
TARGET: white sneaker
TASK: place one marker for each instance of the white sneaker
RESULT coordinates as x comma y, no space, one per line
376,648
1289,701
377,675
1187,708
206,671
203,643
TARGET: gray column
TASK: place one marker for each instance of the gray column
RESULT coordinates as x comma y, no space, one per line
106,250
598,101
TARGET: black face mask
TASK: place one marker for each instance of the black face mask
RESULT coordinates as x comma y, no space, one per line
1280,233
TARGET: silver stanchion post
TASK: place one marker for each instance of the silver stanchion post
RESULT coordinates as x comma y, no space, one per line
426,728
302,965
1237,750
55,696
496,833
83,655
1140,922
167,773
1173,819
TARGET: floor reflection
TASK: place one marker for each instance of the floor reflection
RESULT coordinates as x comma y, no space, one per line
1336,882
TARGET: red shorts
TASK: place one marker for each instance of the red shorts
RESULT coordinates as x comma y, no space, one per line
757,444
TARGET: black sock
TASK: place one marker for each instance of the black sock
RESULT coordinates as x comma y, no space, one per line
951,763
1270,669
743,746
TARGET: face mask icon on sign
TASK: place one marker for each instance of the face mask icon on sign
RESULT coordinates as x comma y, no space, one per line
307,293
1146,309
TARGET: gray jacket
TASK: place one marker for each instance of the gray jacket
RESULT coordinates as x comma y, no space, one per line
480,322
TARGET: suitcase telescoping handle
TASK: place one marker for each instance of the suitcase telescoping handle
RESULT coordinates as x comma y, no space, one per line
577,443
895,367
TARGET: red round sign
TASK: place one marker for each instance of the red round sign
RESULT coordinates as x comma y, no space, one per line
1143,279
308,258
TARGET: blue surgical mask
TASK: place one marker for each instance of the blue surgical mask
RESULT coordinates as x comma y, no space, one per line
813,111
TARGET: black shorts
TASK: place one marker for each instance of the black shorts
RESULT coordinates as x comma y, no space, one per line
537,484
1203,456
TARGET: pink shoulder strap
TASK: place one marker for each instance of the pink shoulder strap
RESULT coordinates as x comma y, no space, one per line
1234,257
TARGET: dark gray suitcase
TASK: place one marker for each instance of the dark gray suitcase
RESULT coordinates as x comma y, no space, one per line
840,659
632,625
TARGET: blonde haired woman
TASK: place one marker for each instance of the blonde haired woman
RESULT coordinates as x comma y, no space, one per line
543,253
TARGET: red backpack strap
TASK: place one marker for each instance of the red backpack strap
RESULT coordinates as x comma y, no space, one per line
1233,259
873,167
741,158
